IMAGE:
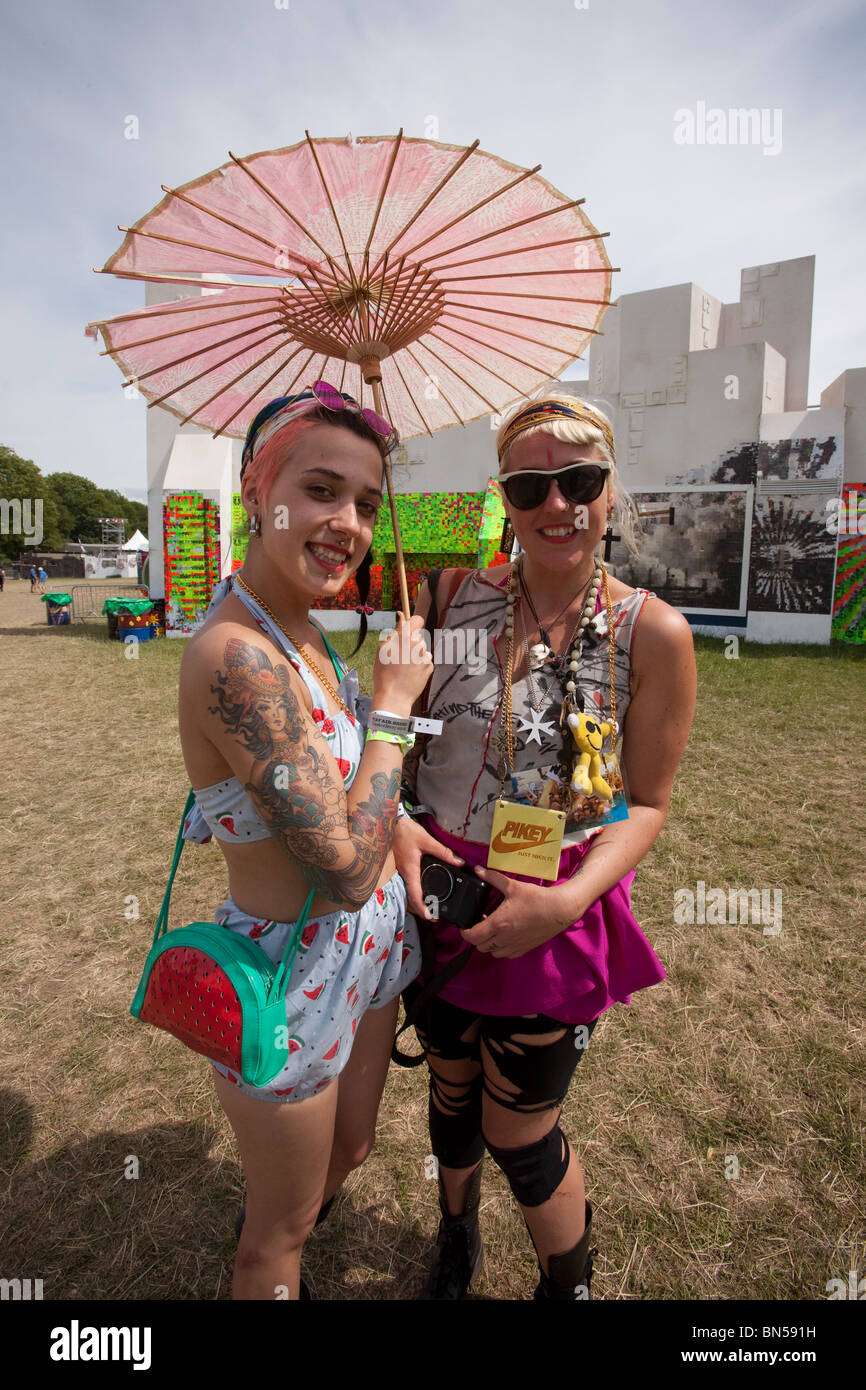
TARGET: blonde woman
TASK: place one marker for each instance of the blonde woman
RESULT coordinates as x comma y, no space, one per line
504,1035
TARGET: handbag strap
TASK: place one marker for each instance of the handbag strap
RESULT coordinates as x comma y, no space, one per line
335,660
435,618
284,969
432,620
162,917
277,988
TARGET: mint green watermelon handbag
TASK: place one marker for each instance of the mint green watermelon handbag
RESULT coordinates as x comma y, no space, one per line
218,992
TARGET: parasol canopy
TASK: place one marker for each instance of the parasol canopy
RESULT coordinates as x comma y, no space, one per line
433,282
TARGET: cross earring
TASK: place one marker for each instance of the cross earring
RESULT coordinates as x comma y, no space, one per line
255,525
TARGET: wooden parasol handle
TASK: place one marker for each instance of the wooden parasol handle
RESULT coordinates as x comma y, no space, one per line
372,373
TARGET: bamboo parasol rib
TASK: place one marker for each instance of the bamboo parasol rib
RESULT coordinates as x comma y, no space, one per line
524,338
192,245
429,199
229,222
224,426
177,332
534,246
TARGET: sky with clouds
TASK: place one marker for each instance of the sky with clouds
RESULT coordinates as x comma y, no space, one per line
589,90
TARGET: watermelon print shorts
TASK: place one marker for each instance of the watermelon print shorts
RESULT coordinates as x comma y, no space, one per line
347,962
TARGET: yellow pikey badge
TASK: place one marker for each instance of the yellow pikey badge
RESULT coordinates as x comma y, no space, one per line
526,840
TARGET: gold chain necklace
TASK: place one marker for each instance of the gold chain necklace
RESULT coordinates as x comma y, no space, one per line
313,667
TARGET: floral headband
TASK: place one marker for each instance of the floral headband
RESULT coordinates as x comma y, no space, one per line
539,413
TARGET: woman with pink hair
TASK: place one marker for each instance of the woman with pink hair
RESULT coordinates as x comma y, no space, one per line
299,800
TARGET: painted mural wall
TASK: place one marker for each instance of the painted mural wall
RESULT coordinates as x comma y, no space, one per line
849,599
752,534
191,557
693,553
765,530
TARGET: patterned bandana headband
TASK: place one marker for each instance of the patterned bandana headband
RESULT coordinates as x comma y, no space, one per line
540,413
282,415
282,411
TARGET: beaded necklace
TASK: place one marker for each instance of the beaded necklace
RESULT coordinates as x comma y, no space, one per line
506,737
543,651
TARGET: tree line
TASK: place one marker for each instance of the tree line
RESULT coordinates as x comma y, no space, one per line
71,506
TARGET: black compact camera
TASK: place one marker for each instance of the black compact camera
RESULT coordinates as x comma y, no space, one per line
460,895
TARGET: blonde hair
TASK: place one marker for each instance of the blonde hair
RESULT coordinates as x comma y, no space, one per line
571,430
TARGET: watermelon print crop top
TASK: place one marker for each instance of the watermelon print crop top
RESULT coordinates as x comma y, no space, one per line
224,809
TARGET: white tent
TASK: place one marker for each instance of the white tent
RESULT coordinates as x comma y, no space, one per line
137,542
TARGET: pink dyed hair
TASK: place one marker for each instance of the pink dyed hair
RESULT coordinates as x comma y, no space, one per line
262,471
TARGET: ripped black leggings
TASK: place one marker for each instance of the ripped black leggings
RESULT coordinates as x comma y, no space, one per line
513,1070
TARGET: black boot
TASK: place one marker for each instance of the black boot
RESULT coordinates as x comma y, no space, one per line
569,1276
459,1250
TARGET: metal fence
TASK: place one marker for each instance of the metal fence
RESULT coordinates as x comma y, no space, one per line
87,599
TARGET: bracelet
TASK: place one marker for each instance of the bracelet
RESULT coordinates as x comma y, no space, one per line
382,721
404,743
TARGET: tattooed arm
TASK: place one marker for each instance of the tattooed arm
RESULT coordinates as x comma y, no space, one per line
250,706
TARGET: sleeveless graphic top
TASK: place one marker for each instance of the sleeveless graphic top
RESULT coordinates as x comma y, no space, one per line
224,809
457,776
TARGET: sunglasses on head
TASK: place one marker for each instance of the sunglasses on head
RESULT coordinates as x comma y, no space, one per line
332,399
578,482
286,407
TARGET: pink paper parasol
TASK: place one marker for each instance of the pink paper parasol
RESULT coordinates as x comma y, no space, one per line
433,282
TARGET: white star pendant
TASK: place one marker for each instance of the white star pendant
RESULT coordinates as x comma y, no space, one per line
536,727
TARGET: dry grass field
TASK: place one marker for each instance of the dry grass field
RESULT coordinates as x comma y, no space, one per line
719,1118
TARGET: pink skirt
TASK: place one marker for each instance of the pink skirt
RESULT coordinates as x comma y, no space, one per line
575,976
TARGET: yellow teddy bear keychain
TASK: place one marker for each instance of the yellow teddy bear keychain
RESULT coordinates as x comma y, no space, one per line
589,735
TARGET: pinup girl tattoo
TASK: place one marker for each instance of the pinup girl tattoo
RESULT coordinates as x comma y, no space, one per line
292,783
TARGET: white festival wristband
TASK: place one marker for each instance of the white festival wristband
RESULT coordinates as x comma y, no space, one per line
384,722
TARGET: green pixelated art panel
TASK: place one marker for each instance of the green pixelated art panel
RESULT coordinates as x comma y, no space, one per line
418,566
849,599
490,530
240,531
432,522
439,530
191,554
